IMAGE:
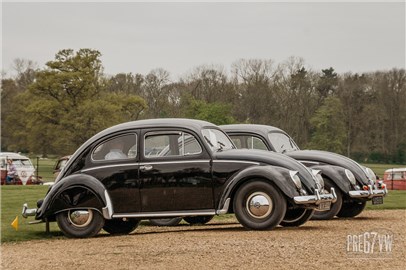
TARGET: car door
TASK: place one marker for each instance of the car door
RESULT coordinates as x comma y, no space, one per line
175,172
119,174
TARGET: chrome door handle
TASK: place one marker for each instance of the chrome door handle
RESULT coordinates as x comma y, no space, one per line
146,167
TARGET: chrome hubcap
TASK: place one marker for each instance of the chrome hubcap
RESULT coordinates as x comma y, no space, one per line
259,205
80,218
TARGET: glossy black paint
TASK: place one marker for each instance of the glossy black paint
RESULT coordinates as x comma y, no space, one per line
74,191
310,158
164,184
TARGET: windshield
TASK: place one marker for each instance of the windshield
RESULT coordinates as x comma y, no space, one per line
22,163
282,143
217,140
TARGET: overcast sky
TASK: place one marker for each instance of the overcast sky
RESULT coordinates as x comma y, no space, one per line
137,37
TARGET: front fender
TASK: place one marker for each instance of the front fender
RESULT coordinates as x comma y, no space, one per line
74,191
279,176
335,174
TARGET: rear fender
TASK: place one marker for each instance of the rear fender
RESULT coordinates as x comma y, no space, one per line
75,192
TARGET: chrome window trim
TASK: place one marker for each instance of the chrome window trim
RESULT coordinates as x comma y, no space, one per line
112,138
171,132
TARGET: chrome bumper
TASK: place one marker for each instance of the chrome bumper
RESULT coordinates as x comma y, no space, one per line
28,212
368,194
317,198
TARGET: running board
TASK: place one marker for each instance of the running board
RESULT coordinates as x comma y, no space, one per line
148,215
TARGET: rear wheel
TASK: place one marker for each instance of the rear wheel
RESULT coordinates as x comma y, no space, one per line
80,223
198,219
335,207
352,209
120,226
259,205
296,217
165,221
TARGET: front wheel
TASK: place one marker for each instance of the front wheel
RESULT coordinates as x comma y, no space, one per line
259,205
296,217
198,219
335,207
352,209
80,223
120,226
165,221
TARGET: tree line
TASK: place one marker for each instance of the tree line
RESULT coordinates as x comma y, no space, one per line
53,110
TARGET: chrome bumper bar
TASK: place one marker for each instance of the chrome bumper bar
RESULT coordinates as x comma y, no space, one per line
369,194
317,198
28,212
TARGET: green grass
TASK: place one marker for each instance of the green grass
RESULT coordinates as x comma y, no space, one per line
12,200
13,197
395,199
45,168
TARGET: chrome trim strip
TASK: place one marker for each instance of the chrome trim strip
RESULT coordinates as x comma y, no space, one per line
110,166
108,209
235,161
224,210
165,214
146,163
176,161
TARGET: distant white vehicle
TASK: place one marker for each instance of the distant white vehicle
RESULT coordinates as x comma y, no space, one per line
25,169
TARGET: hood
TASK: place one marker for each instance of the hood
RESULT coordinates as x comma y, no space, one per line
332,159
270,158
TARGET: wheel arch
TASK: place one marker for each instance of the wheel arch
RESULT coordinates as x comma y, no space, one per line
74,192
278,177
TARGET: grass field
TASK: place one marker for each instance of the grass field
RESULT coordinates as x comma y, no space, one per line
45,168
13,197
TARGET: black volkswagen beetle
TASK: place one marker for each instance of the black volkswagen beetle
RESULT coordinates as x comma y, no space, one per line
354,184
165,168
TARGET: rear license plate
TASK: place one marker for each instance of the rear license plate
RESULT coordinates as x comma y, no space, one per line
377,200
324,206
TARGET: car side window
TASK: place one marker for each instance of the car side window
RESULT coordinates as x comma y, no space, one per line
248,141
121,147
170,144
256,143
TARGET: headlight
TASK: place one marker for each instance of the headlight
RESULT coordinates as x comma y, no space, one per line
370,173
318,178
296,179
350,176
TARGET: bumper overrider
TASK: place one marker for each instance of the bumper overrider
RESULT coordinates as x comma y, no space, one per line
28,212
369,193
317,198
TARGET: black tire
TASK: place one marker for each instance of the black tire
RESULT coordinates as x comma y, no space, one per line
198,219
259,205
296,217
120,226
335,207
80,223
165,221
352,209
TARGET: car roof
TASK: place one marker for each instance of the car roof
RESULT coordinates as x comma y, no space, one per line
396,170
193,124
261,129
12,155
